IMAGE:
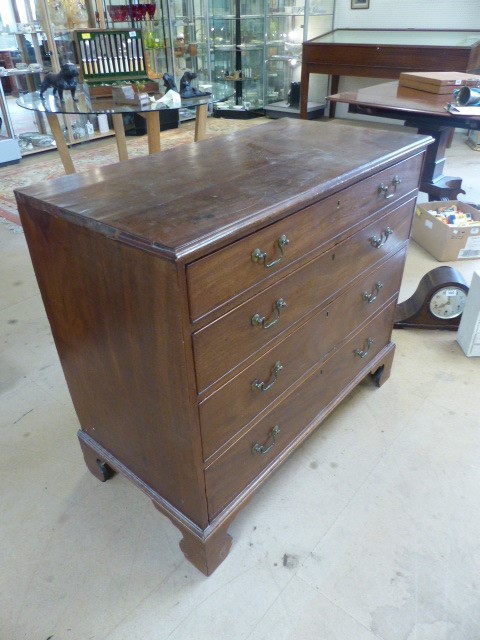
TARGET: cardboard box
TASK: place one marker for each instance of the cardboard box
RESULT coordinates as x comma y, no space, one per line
446,243
440,82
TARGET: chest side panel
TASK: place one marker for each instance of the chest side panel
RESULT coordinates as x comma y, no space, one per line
115,314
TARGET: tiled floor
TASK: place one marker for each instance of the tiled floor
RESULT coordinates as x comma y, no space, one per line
370,531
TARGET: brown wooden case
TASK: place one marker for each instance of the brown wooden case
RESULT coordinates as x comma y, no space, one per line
440,82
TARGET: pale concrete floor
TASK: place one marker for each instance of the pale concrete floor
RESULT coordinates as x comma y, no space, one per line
368,532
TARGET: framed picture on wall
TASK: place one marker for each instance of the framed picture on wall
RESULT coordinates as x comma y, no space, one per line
360,4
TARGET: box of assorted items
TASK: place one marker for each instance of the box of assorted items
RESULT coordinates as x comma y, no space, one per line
449,230
441,82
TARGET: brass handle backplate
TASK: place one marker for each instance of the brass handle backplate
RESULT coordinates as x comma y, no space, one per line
262,449
260,256
383,188
258,385
384,236
371,297
262,321
363,353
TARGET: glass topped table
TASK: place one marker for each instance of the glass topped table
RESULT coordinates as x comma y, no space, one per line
87,104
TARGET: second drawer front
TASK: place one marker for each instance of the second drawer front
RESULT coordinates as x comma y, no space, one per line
217,278
236,403
240,465
227,342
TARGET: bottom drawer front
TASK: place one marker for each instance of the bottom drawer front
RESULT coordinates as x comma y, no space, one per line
258,448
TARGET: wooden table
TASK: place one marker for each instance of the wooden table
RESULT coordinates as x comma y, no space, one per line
385,53
86,105
424,111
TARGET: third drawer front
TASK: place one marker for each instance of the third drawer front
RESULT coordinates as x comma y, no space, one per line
236,403
257,449
225,343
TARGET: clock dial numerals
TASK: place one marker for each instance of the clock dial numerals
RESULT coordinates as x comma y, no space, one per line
448,302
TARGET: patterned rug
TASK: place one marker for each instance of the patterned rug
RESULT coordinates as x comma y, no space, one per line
90,155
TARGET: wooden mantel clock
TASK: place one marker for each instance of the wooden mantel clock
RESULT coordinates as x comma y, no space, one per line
437,303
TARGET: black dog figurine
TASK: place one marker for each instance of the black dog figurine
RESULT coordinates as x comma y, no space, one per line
186,89
169,82
66,79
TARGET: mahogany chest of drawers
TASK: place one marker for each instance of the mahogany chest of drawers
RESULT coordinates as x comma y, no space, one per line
211,304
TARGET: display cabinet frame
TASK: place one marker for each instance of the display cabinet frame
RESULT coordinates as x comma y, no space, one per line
237,54
9,148
288,24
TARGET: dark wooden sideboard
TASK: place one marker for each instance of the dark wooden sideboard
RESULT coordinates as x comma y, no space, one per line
385,53
211,304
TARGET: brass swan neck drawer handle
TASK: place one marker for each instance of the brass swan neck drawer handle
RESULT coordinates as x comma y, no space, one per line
262,321
383,188
363,353
371,297
258,385
262,449
384,236
260,256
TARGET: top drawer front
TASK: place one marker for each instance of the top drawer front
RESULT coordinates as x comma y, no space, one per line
218,278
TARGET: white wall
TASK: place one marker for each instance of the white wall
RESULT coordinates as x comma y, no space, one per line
409,14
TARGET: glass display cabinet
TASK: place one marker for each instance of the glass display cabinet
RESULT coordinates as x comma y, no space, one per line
237,54
174,36
9,148
148,18
288,24
27,52
188,39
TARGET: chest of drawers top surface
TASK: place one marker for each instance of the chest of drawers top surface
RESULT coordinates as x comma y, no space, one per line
185,201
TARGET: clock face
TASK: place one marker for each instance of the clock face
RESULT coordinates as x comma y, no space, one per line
448,302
